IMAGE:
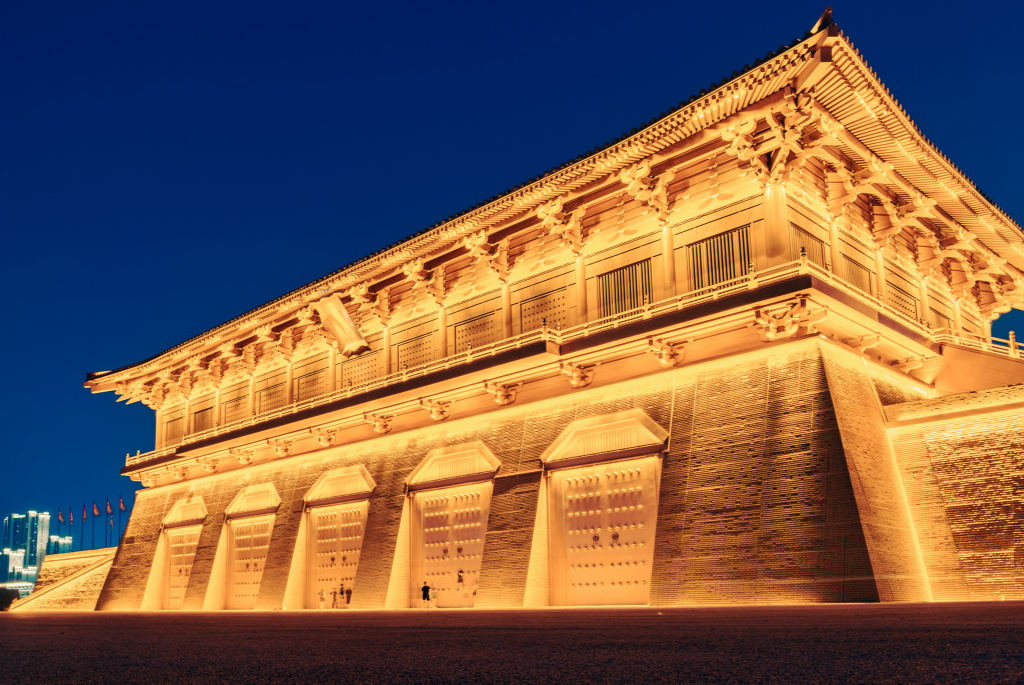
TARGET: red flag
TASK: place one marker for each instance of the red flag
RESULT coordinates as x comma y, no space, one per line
95,509
84,512
110,521
109,510
71,515
120,503
60,516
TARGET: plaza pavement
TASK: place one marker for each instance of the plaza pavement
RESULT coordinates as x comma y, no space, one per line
906,643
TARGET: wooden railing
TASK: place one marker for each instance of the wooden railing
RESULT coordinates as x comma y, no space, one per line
1010,348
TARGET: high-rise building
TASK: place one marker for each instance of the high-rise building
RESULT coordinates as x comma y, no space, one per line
28,534
741,355
59,544
12,562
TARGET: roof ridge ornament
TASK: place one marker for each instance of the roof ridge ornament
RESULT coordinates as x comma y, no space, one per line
824,21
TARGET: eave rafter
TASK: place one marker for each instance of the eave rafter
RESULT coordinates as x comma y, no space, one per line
772,136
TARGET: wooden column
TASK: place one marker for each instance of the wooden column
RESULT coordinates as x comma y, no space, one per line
332,368
442,331
506,308
581,289
835,252
923,314
387,349
252,393
776,226
880,274
668,252
289,376
216,406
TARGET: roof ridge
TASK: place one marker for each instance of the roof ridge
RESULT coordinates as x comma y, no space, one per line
682,104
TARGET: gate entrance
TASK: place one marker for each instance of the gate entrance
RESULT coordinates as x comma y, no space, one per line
181,550
250,541
336,534
602,519
448,545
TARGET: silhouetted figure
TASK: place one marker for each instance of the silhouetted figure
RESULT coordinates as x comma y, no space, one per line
425,591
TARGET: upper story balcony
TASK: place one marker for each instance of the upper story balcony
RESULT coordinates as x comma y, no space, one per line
309,384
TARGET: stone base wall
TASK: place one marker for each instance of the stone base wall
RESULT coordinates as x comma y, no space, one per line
965,483
756,504
69,582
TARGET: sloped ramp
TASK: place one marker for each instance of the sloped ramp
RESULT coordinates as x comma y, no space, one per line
69,582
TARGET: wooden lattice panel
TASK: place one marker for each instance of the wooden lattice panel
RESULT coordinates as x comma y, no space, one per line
813,247
854,273
415,352
234,404
718,259
271,393
625,288
477,332
902,301
549,309
359,370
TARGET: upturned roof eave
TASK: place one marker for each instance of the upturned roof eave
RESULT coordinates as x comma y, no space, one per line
426,241
102,381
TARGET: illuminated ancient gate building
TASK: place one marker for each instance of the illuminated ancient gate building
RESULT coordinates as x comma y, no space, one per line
742,355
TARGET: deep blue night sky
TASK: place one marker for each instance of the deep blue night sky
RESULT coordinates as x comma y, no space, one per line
166,167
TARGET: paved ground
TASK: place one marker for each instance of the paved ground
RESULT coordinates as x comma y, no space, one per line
980,643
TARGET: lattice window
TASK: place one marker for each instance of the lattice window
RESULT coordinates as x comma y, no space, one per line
202,419
234,404
476,332
415,352
310,379
939,321
625,288
854,273
718,259
902,301
174,427
812,246
359,370
271,393
549,309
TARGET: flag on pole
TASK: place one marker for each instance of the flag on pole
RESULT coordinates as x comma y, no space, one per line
111,522
71,515
84,512
120,502
95,509
109,510
60,516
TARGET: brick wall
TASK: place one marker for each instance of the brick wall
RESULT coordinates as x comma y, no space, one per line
755,502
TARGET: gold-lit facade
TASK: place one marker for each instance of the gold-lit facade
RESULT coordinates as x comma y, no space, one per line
743,355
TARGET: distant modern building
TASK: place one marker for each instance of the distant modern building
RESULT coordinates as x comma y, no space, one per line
28,533
12,563
742,355
59,544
